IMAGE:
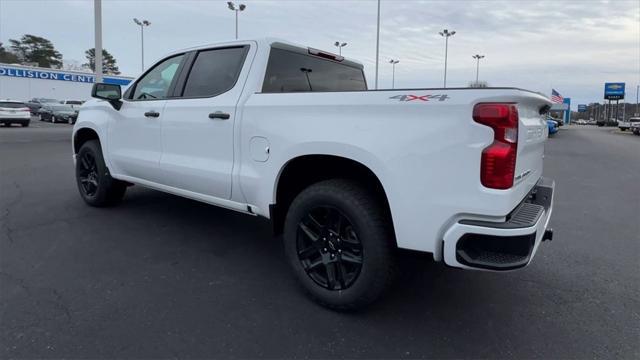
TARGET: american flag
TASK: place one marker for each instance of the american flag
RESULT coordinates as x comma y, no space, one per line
556,97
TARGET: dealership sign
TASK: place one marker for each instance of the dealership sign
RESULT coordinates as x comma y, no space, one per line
614,91
582,108
57,75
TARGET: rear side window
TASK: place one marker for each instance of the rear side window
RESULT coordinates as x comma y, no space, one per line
73,102
12,105
288,71
214,72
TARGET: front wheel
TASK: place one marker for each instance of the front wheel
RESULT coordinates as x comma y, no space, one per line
96,186
339,241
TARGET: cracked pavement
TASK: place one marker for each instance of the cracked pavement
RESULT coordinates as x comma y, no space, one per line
165,277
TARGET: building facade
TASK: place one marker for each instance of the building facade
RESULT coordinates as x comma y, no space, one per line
18,82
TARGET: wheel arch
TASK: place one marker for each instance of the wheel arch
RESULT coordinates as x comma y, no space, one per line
304,170
83,135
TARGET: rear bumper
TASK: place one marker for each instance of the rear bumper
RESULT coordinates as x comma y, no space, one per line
15,120
501,246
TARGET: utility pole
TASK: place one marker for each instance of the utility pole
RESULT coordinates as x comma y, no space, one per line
446,34
477,57
637,90
97,23
142,24
240,7
377,44
393,72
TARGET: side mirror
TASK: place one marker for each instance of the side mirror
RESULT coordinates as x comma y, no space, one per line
109,92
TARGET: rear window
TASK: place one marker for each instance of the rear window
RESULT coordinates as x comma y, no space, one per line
288,71
73,102
60,107
12,105
634,120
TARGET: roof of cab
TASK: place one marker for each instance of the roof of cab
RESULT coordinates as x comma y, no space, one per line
268,42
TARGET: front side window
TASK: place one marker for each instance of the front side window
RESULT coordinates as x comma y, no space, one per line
214,72
288,71
156,83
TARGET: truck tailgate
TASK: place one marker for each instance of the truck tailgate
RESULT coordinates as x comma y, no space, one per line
532,134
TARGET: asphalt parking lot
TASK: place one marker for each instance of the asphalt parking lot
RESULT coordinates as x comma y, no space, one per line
165,277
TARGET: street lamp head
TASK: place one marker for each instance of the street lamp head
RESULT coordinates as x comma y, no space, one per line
141,23
337,43
231,5
343,44
446,33
242,7
393,62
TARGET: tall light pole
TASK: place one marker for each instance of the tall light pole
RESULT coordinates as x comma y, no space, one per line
637,90
142,24
393,72
97,28
340,45
233,7
446,34
477,57
377,44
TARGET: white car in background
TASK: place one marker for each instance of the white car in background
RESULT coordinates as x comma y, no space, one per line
14,112
634,125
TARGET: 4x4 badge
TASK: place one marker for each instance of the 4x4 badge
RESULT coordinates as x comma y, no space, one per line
411,97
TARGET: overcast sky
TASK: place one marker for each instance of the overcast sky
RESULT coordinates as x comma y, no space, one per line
572,46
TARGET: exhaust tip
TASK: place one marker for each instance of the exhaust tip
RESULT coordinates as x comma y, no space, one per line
548,235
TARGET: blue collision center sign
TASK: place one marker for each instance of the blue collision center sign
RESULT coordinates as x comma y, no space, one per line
57,75
614,91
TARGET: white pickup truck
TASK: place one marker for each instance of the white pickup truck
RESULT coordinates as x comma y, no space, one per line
348,175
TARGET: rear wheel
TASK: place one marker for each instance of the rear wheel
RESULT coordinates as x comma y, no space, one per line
25,124
96,186
340,243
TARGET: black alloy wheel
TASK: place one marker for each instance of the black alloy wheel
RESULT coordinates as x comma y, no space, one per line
339,240
96,186
329,249
88,174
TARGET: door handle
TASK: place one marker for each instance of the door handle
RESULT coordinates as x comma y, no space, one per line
153,114
219,115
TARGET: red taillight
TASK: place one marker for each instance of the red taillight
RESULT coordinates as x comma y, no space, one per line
498,164
24,109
